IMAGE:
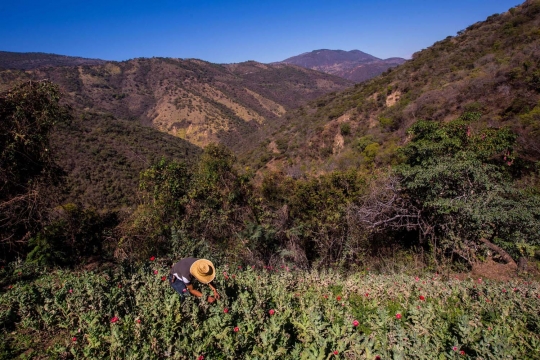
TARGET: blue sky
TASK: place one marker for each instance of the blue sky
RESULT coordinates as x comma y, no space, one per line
234,31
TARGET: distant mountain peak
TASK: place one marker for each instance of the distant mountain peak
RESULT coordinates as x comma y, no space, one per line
34,60
353,65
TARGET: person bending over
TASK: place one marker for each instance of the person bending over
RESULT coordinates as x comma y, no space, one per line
185,271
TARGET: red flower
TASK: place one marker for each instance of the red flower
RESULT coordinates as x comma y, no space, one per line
119,286
236,329
200,358
355,323
336,352
74,339
152,258
163,278
416,278
226,310
239,267
138,321
226,277
398,316
377,357
338,298
155,272
234,276
114,319
503,290
454,348
70,291
271,312
367,294
462,352
422,297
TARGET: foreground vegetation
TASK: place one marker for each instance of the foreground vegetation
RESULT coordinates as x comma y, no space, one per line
265,313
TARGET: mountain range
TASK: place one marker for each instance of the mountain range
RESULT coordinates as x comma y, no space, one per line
123,109
34,60
491,69
286,117
354,65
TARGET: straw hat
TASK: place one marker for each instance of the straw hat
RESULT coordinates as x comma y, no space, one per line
203,270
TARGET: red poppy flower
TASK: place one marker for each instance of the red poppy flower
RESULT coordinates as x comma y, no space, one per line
155,272
355,323
338,298
454,348
152,258
226,310
234,276
271,312
226,277
200,358
163,278
462,352
367,294
336,352
377,357
119,286
138,321
236,329
70,291
74,339
239,267
398,316
114,319
422,298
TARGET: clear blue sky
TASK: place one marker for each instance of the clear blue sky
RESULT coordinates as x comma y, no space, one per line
233,31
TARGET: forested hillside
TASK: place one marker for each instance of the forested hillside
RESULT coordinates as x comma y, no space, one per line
491,68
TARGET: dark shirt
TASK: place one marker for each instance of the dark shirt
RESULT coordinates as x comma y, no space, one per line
182,267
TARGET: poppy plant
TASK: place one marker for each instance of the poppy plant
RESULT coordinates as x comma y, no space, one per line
271,312
200,358
138,321
114,319
422,298
226,310
338,298
398,316
462,352
236,329
163,278
355,323
74,339
156,272
336,352
152,258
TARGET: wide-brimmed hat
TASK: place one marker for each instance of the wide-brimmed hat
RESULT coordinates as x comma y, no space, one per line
203,270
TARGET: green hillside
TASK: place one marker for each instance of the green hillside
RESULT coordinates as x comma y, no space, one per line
491,67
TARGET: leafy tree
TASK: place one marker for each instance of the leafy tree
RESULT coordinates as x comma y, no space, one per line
28,112
463,182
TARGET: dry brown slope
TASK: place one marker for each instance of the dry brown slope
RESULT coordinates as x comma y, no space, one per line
192,99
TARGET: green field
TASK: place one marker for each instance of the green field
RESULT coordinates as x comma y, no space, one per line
131,312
